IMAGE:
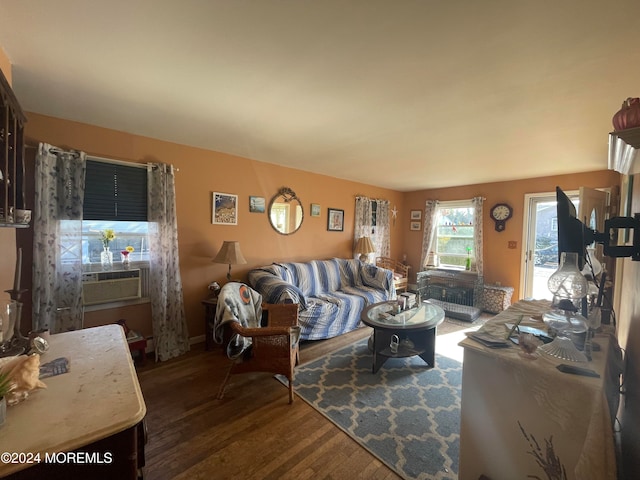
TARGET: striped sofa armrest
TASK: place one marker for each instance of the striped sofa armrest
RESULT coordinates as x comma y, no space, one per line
275,290
376,277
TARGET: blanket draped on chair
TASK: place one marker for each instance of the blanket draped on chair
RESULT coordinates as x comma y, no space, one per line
237,302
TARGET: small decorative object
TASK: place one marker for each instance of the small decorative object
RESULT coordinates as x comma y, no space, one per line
256,204
106,256
628,116
467,263
568,287
214,288
23,370
564,349
230,254
395,342
225,209
23,217
335,220
363,248
528,344
125,256
501,212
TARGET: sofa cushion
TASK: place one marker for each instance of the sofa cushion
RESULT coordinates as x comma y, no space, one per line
302,275
369,294
268,281
349,271
378,278
329,278
330,314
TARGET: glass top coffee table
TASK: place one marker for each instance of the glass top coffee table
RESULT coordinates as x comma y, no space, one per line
405,334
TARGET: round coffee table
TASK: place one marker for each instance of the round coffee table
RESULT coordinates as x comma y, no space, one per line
405,334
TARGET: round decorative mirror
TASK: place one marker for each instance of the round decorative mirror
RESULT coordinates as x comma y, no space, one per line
285,212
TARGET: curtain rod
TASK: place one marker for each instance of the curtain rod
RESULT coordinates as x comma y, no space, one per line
75,153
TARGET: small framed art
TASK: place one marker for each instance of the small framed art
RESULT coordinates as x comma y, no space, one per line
415,225
416,215
315,210
335,220
225,209
256,204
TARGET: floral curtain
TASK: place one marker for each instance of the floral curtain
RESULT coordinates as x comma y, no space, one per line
57,239
428,234
477,234
170,334
380,233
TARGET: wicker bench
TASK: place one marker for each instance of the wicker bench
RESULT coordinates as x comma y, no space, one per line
399,269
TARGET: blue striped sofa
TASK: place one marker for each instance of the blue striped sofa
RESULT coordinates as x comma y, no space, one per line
331,293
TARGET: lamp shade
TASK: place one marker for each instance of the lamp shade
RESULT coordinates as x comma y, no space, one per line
230,254
364,247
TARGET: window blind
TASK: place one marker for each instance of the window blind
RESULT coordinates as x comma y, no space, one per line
115,192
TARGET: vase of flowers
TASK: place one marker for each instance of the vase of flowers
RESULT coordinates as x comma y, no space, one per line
124,255
467,264
106,256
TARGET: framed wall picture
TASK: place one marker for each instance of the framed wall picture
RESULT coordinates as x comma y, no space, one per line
335,220
225,209
315,210
415,225
416,215
256,204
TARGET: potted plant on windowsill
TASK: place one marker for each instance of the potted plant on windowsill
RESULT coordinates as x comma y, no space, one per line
6,385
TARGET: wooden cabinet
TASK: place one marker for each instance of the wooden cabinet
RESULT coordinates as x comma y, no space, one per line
12,120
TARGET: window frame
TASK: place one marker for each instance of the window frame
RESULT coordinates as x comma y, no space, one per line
140,258
453,204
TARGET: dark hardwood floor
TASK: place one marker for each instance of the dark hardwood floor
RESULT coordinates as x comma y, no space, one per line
252,433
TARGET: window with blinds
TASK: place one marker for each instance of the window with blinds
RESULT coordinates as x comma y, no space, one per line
115,192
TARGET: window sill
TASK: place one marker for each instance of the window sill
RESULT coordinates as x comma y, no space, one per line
454,268
123,303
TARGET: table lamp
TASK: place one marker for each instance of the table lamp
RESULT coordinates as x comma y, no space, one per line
230,254
364,247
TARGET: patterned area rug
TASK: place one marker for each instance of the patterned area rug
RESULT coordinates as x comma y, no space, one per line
407,414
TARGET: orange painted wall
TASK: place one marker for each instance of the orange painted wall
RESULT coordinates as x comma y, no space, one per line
5,65
202,172
501,264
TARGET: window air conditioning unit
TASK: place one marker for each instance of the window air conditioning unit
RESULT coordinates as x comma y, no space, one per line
107,287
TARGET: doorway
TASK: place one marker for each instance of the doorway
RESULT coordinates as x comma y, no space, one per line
540,255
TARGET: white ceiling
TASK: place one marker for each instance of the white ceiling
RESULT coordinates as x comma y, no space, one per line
401,94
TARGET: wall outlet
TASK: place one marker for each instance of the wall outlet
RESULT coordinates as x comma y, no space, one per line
513,244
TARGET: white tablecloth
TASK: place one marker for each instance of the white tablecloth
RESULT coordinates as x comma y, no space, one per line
520,415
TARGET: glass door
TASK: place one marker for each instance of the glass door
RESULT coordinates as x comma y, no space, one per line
540,252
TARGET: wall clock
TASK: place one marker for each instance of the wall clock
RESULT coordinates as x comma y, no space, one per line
501,212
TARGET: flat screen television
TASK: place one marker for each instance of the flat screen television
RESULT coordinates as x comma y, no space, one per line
573,235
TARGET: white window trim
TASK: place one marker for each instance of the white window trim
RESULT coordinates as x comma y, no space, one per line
453,204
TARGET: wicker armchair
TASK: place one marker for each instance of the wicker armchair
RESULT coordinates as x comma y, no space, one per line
399,269
274,346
